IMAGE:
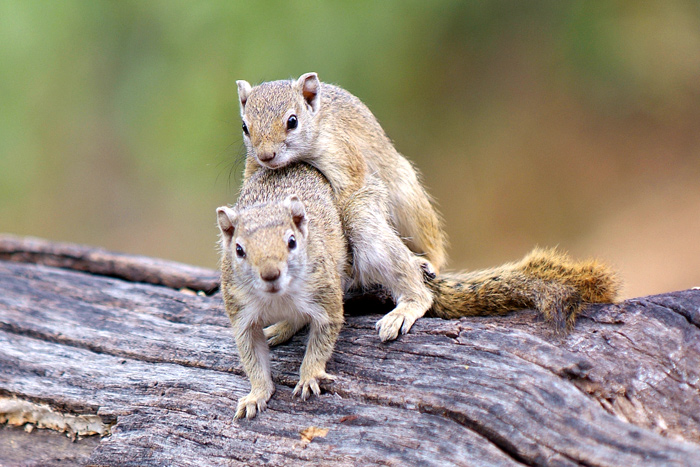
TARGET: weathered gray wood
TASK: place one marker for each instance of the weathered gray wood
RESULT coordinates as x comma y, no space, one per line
160,365
106,263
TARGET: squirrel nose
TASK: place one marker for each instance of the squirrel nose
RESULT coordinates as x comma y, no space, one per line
270,274
266,156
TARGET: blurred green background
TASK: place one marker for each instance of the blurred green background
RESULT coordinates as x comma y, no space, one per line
534,123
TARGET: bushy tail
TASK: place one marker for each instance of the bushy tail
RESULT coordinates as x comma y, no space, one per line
546,280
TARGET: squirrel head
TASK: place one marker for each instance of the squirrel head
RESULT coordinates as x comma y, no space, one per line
265,244
279,119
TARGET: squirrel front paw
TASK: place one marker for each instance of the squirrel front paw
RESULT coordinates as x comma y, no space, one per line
279,333
393,323
253,403
309,384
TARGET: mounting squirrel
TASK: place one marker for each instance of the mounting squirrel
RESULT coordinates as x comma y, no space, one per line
284,264
393,230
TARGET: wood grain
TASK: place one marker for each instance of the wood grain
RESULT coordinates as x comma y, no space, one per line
160,367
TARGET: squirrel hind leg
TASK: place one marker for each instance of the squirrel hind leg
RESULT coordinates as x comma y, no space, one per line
381,257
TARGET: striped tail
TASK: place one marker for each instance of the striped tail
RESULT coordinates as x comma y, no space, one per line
545,280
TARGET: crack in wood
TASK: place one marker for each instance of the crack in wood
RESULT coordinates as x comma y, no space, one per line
473,425
100,350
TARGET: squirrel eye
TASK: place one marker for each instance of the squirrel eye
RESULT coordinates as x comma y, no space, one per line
245,129
292,122
292,242
239,251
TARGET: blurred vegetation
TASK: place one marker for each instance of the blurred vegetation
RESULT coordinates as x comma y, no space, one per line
552,123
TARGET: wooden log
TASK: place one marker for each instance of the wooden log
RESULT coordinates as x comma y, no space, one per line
159,368
106,263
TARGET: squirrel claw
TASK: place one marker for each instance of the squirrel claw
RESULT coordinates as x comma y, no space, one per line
279,333
392,324
428,270
306,386
251,404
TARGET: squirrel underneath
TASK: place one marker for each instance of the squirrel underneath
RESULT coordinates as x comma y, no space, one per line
285,265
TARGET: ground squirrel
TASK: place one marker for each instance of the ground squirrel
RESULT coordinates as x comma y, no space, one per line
388,219
284,264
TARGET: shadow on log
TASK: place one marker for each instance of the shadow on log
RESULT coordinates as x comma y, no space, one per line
110,341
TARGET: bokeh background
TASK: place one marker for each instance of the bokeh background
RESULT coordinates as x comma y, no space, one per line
534,123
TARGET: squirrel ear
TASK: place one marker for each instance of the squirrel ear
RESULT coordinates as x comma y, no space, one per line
298,212
226,218
311,90
243,92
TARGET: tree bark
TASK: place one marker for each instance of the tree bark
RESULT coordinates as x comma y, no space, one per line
93,341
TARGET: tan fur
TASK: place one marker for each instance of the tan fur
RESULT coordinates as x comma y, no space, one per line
314,275
272,206
391,225
545,280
